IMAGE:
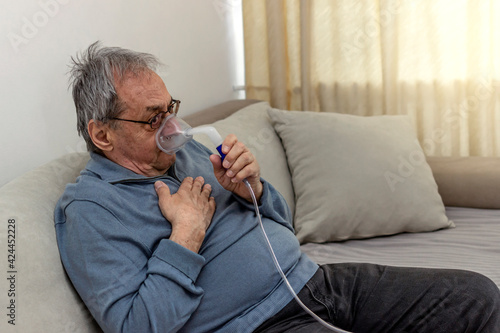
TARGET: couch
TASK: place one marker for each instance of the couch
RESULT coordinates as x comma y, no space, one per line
360,188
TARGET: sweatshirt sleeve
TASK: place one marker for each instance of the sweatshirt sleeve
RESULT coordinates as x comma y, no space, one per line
126,286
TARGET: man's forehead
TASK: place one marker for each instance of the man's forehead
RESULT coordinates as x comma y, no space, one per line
124,74
131,80
141,85
147,89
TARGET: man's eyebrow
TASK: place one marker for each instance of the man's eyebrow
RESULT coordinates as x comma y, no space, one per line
156,108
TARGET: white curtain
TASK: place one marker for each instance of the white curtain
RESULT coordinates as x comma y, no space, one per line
436,60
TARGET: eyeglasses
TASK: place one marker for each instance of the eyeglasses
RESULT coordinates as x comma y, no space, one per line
156,121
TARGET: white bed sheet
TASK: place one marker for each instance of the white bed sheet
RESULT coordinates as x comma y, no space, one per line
474,244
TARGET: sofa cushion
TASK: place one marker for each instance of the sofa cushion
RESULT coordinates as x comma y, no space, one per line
472,181
45,298
357,177
217,112
253,127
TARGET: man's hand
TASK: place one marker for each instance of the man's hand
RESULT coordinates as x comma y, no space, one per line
190,211
238,165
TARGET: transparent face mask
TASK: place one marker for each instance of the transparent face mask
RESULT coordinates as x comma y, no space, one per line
173,134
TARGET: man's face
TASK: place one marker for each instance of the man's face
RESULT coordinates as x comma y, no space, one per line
134,146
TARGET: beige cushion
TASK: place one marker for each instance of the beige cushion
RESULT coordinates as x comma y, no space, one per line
45,299
216,112
253,127
357,177
468,181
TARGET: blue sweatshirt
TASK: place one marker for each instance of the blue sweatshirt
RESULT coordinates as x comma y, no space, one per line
114,244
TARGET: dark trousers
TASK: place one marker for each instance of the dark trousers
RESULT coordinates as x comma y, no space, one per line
373,298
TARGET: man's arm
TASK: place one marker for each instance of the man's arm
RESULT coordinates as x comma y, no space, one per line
127,286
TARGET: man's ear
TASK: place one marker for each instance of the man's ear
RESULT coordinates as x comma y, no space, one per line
100,135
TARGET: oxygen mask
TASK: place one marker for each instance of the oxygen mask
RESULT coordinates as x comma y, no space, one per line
174,133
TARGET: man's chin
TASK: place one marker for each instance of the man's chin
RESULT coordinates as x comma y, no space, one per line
165,161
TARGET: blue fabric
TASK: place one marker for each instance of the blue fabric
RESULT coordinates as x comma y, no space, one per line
113,242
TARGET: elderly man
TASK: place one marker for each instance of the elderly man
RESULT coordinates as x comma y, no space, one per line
170,243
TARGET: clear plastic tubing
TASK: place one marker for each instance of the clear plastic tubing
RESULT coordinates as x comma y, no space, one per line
278,267
172,135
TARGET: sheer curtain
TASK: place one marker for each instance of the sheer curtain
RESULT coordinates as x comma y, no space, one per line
436,60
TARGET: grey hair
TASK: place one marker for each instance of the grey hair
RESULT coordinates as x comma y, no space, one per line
92,78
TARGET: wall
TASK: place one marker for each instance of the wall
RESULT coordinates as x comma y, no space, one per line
193,38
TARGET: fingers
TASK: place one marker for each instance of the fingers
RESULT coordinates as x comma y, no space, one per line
219,171
195,186
239,162
189,183
241,169
161,189
164,197
207,189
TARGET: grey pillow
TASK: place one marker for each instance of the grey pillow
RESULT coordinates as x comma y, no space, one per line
253,127
357,177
